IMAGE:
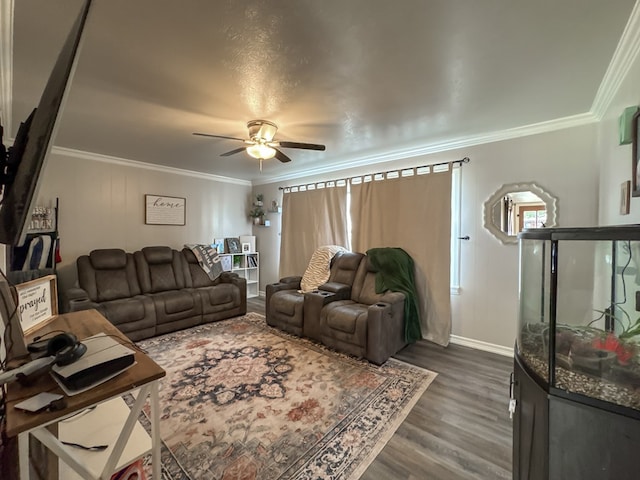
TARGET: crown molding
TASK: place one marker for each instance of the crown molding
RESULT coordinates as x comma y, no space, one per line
6,62
97,157
463,142
621,62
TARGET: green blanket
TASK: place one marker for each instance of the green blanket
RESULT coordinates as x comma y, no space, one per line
396,273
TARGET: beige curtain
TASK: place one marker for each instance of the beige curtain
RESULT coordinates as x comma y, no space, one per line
413,213
311,219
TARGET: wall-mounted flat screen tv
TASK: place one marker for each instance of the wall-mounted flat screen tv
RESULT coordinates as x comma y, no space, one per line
22,167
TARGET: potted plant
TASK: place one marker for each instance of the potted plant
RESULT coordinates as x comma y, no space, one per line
257,213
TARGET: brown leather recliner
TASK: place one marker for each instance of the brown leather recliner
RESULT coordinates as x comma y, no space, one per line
109,283
284,304
364,324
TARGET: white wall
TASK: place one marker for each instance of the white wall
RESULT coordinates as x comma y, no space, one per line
615,159
562,162
102,206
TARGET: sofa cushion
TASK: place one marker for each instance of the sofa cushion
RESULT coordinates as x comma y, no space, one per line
176,301
157,255
161,269
221,294
345,317
344,267
112,285
108,259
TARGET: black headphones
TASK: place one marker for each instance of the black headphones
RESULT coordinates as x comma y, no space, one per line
66,348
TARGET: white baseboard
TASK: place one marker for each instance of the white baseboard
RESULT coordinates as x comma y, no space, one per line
480,345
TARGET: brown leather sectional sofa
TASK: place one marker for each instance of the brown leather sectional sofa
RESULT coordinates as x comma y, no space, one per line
154,291
345,313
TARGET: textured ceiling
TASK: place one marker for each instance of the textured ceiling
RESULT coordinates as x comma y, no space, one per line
364,77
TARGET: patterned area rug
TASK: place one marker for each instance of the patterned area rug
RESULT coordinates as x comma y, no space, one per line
242,400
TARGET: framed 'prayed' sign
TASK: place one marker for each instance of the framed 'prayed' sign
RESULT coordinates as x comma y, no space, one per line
37,302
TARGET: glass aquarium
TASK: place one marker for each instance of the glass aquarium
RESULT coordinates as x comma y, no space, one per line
579,318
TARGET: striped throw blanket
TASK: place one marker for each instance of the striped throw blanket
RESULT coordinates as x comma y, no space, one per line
318,270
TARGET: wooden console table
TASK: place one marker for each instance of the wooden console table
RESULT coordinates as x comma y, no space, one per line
144,376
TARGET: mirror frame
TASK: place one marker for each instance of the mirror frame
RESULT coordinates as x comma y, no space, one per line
549,200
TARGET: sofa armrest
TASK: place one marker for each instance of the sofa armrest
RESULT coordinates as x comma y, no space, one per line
78,299
341,289
295,279
286,283
392,297
238,281
230,277
385,328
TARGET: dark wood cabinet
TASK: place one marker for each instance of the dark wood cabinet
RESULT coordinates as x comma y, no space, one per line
556,436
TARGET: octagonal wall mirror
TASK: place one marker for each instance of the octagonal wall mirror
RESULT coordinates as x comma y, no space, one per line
517,206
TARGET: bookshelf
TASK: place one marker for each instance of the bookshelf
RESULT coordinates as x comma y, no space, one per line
247,265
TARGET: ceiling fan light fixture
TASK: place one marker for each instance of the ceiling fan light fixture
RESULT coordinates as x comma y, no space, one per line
261,151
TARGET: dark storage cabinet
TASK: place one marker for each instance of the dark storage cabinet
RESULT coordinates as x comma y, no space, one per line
577,358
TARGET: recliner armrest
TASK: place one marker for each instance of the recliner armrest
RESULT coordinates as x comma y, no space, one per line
385,327
295,279
338,288
314,301
230,277
392,297
78,299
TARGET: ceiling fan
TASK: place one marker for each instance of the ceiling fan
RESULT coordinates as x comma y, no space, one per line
261,144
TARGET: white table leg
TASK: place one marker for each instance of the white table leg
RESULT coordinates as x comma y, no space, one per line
121,442
155,431
23,455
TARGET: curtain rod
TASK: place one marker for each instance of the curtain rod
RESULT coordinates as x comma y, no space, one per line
461,162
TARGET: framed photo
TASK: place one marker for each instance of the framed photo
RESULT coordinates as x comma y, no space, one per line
37,302
233,245
635,170
218,245
246,248
625,189
164,210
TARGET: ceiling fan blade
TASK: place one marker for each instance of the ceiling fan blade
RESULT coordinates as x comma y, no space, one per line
281,156
218,136
233,152
305,146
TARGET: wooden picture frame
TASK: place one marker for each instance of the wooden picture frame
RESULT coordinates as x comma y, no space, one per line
165,210
635,169
37,302
625,197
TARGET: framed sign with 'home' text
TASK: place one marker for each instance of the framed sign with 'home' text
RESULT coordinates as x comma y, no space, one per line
164,210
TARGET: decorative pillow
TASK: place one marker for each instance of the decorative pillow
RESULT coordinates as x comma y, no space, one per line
319,267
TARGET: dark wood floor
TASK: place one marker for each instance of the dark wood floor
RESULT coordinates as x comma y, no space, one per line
460,428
